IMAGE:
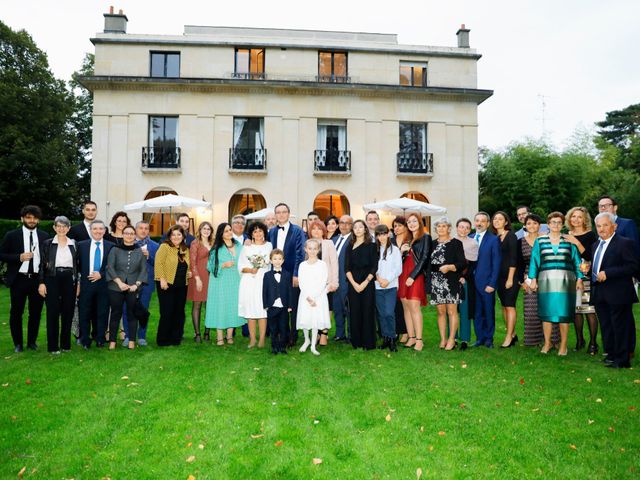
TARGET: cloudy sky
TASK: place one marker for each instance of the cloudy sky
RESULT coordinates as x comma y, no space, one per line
555,65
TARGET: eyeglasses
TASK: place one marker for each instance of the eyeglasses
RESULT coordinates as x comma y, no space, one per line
128,233
604,206
555,222
346,223
61,225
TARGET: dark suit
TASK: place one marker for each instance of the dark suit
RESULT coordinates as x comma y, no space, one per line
79,232
277,317
22,286
627,228
486,275
614,298
293,257
93,293
339,300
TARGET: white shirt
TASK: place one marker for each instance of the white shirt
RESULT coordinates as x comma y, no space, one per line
24,268
596,268
389,268
278,302
482,234
342,241
92,253
239,238
63,256
282,235
87,225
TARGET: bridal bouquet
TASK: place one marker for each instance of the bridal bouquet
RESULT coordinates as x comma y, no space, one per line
258,261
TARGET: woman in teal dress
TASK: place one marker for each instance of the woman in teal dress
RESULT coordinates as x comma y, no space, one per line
224,284
554,271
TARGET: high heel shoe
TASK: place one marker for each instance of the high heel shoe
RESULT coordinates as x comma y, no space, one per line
408,344
197,338
593,349
580,345
420,343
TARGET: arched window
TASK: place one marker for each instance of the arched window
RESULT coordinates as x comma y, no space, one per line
331,202
158,222
413,195
246,201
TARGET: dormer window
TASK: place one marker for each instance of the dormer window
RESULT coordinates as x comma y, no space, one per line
413,74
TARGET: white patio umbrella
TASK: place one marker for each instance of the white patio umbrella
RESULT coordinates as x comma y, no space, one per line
399,206
165,203
261,214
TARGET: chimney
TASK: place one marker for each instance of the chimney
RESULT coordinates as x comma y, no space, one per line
463,37
115,22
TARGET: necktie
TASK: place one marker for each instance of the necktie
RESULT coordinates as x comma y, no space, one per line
339,243
596,261
478,238
97,258
30,270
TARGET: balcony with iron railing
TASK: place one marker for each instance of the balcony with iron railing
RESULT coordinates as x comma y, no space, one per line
248,160
332,162
249,75
333,79
161,159
415,163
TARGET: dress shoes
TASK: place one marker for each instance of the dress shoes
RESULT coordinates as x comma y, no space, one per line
18,349
392,345
489,344
463,345
339,339
618,365
384,344
478,344
32,346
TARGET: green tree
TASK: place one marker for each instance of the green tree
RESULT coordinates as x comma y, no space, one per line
37,144
82,123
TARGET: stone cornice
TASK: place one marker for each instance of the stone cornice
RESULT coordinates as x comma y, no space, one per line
282,87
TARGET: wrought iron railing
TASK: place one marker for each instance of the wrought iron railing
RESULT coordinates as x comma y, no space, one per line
249,75
333,79
161,157
332,161
414,162
247,159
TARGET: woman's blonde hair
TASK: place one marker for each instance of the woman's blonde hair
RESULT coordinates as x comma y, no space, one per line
586,216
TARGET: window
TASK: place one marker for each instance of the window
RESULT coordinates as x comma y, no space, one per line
248,152
332,154
165,64
413,138
249,63
413,74
163,150
332,67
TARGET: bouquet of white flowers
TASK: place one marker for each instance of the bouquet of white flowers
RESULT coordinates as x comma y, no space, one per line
258,261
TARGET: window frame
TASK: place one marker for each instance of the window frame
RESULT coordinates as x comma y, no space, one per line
165,54
413,65
150,142
333,75
249,74
423,145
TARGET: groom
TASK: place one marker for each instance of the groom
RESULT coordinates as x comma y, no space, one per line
290,239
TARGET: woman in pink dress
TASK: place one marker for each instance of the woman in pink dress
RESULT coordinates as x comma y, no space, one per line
199,282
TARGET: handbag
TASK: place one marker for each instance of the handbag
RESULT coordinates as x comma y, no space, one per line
141,312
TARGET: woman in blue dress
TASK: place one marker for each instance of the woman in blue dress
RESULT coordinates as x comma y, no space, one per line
554,271
224,284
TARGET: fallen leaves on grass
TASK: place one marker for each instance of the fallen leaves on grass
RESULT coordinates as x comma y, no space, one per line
139,402
637,381
257,436
279,443
28,381
431,448
573,447
21,472
124,378
589,380
441,433
317,461
521,381
201,446
632,408
388,417
189,444
598,400
418,473
611,429
591,421
191,477
316,422
5,384
191,458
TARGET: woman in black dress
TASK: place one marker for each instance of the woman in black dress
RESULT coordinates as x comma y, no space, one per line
360,266
578,223
507,285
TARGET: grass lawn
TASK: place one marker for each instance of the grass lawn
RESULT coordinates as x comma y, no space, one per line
228,412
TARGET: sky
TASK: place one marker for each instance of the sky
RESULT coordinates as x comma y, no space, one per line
556,66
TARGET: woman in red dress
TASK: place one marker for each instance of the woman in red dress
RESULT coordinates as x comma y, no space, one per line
411,288
199,281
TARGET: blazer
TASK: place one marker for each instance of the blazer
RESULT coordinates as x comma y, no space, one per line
421,251
627,228
130,266
272,289
330,257
79,232
293,247
620,263
84,260
166,263
342,275
12,247
48,260
453,255
488,265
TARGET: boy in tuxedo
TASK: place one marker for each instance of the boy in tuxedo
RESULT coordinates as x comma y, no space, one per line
277,295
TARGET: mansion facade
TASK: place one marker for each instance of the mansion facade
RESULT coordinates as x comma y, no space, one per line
246,118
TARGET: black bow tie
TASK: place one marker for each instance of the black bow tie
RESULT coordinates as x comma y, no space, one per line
277,272
280,228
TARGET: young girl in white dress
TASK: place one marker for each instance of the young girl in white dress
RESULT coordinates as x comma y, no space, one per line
313,306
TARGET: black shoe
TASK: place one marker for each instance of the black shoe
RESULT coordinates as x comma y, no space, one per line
579,345
384,344
392,345
18,349
32,346
618,365
463,346
593,349
100,345
339,339
478,344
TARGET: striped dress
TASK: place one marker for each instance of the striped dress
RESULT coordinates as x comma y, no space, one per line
533,335
556,267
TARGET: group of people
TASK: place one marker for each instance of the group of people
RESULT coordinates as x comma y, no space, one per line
276,278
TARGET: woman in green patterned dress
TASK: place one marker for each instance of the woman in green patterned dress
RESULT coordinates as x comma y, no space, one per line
554,271
224,284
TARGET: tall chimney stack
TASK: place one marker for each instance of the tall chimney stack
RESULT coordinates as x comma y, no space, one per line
115,22
463,37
